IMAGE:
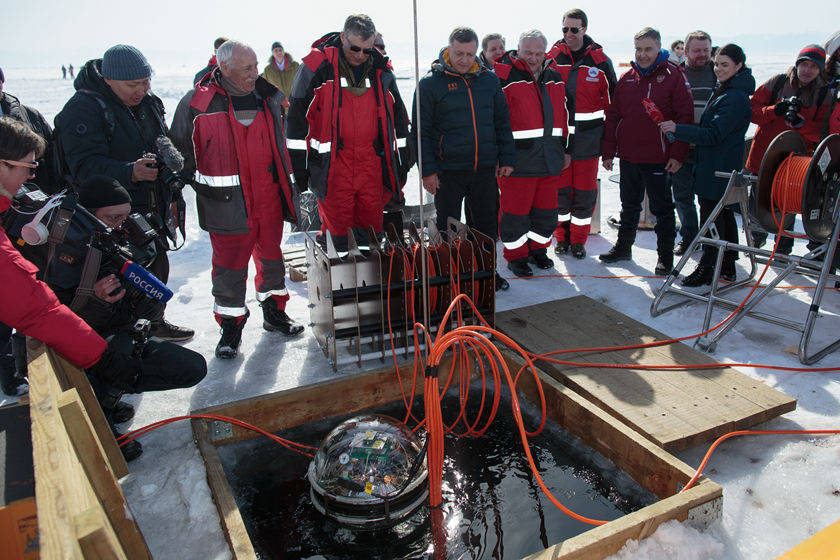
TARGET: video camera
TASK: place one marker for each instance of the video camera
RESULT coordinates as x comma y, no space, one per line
127,250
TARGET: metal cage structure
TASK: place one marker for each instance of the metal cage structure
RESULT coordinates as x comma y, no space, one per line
364,303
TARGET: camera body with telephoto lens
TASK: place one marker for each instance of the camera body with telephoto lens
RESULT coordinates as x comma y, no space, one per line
167,176
794,107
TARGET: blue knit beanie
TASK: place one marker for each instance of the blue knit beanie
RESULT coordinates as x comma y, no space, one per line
124,62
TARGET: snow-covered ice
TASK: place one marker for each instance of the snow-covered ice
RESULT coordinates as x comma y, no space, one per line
777,490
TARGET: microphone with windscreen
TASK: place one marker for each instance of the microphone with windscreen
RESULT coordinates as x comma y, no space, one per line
656,116
170,163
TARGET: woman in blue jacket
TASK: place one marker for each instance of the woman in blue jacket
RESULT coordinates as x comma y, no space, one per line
720,147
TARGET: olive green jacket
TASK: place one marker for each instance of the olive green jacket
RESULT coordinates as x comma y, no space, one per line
281,78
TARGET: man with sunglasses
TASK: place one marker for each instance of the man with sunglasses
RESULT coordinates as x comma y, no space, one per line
348,129
590,81
13,347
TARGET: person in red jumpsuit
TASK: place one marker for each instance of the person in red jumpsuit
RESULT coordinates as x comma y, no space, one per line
231,131
348,130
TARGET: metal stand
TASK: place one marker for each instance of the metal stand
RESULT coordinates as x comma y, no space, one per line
820,216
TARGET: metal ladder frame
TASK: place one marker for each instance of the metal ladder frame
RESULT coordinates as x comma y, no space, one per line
810,265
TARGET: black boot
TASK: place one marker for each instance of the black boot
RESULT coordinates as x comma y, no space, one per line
727,269
501,283
130,450
228,345
561,248
621,251
275,319
165,330
665,251
540,258
578,251
702,276
520,268
122,412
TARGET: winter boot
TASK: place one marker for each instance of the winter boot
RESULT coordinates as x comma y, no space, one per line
727,269
501,283
122,412
165,330
577,250
130,450
621,251
702,276
520,268
275,319
665,251
540,258
228,345
561,248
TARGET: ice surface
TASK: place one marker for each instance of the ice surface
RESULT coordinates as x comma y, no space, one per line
777,490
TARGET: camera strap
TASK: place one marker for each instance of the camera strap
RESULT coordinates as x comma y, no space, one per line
89,272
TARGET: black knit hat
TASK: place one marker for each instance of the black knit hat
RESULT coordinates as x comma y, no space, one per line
734,52
815,53
276,44
124,62
100,191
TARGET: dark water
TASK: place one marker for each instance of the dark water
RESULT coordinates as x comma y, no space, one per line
493,507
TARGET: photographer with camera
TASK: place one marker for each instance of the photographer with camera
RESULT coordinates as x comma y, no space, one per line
113,125
796,100
96,269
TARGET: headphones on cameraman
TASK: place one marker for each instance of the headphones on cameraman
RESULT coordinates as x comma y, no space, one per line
36,231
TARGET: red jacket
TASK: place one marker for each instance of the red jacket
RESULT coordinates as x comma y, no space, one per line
629,133
594,83
834,118
29,306
816,101
315,134
539,119
238,171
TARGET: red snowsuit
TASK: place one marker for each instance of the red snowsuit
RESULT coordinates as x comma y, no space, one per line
347,138
243,187
589,97
31,307
540,125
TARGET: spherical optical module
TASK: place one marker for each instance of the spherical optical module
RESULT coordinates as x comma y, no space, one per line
369,473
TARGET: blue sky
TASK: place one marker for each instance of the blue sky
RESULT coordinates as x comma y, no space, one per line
174,33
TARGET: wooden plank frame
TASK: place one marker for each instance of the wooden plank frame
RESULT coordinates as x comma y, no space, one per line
651,466
82,512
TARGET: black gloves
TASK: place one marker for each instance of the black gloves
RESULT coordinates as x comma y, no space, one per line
116,368
781,107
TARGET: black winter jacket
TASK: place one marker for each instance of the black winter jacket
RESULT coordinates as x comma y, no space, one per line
464,119
96,140
46,177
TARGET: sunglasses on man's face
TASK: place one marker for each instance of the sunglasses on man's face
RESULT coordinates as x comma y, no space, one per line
33,165
357,48
572,29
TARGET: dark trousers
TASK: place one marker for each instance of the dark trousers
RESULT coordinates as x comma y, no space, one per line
480,192
727,230
160,268
165,366
636,179
682,188
12,354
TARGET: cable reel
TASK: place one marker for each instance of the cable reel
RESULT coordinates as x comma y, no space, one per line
799,183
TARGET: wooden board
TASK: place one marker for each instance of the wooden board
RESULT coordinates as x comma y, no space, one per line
674,409
76,500
650,465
